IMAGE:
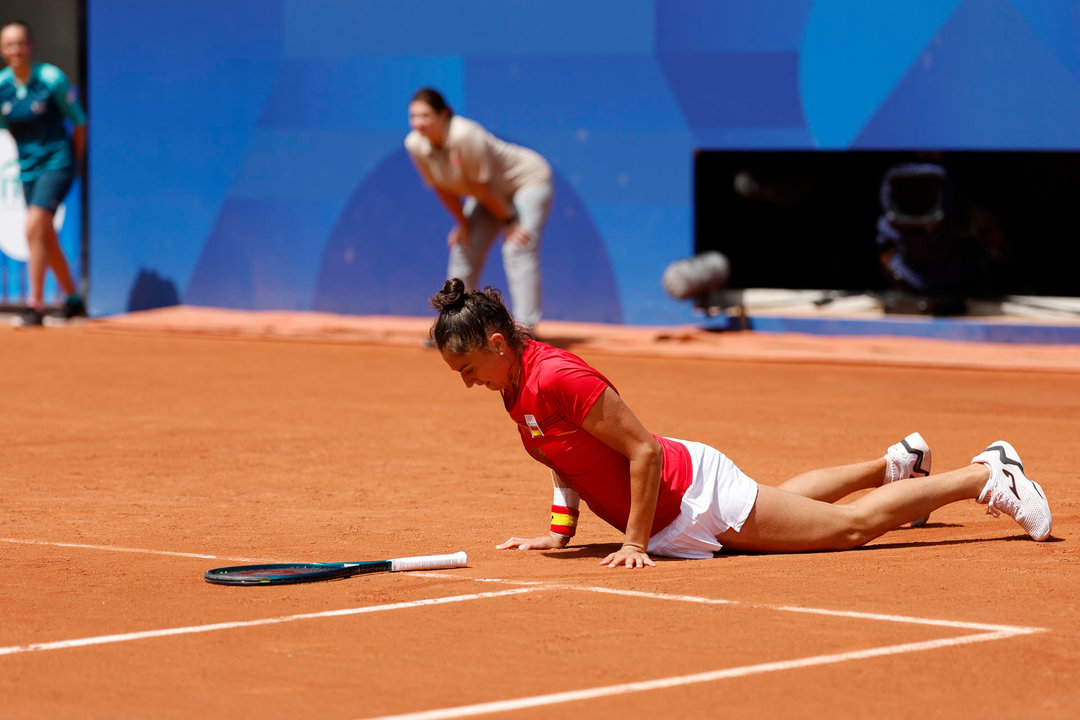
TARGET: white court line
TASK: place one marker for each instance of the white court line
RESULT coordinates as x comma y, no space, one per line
114,548
612,591
126,637
960,625
1009,630
992,632
680,680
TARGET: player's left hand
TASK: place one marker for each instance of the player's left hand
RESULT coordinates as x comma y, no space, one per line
543,542
629,556
517,234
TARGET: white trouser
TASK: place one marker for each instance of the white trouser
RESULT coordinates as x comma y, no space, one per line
521,262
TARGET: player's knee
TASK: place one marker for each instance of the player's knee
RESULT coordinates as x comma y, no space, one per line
858,531
38,222
520,259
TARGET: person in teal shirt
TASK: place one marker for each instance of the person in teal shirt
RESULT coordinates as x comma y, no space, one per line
35,102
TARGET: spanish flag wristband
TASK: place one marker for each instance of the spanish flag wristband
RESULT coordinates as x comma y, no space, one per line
564,520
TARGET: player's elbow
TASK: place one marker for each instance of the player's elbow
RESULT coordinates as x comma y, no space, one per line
648,454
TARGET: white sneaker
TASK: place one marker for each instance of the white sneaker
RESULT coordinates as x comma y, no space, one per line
1010,491
908,458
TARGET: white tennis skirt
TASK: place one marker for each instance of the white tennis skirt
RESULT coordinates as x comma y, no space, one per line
720,497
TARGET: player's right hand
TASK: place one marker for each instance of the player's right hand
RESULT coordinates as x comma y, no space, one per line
459,235
543,542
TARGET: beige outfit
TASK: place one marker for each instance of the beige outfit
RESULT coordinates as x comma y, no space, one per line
471,155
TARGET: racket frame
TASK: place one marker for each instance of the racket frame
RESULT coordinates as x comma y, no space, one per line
303,572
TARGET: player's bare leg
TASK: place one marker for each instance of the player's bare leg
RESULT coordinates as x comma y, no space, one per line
910,457
45,252
784,521
834,483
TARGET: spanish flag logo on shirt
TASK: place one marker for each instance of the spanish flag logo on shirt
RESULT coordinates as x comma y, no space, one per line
534,427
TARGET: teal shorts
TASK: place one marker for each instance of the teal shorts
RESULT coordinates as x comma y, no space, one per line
49,188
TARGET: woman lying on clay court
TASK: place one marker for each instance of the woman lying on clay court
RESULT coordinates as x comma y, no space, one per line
683,499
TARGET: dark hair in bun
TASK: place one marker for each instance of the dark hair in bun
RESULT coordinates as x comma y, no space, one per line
468,318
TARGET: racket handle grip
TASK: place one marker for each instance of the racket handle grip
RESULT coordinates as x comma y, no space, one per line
429,562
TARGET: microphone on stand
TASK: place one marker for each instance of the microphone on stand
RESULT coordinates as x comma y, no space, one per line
695,277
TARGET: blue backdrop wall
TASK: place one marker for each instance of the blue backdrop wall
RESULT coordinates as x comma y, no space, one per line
248,153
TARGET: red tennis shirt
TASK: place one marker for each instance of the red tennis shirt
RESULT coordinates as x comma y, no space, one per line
556,390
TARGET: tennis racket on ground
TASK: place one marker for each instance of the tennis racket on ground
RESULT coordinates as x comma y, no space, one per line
289,573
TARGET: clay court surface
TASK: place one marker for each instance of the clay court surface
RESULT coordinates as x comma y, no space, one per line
139,455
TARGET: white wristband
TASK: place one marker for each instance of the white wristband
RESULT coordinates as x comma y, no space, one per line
563,495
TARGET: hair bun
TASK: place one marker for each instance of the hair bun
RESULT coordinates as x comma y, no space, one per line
451,297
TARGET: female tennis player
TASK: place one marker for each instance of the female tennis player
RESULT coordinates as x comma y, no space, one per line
683,499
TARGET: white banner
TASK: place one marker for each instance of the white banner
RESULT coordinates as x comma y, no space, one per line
13,205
